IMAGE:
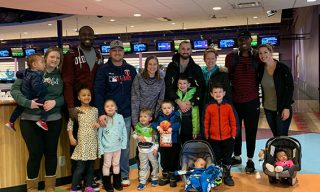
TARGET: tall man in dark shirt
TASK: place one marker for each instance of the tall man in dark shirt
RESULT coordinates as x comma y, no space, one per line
243,66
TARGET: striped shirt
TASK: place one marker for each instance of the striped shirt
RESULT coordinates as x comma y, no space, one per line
244,82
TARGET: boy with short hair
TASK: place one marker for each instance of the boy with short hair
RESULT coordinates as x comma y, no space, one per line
147,140
190,120
220,130
169,154
32,87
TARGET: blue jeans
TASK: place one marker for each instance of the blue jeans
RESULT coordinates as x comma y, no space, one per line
124,159
276,124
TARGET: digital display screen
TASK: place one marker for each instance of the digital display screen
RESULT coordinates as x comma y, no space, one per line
65,49
105,48
127,47
17,52
227,43
4,53
164,46
7,75
200,44
177,43
274,40
29,51
254,41
140,47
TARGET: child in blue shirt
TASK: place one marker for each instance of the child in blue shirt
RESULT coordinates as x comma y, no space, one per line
169,155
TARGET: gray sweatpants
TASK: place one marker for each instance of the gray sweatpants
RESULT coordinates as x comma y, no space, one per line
144,167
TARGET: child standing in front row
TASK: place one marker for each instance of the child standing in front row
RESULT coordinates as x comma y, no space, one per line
169,155
220,130
147,140
112,138
86,150
190,120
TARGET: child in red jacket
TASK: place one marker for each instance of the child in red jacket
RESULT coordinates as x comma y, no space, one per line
220,130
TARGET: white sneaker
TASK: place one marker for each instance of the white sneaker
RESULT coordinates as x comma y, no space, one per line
270,167
125,182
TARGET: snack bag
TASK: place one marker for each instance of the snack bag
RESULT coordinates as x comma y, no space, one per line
165,138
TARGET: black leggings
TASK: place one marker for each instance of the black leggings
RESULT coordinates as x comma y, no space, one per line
40,142
249,113
81,168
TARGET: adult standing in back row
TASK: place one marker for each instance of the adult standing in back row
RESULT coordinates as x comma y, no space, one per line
243,66
114,81
80,66
183,64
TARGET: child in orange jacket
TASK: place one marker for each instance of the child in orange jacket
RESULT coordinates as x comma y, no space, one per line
220,130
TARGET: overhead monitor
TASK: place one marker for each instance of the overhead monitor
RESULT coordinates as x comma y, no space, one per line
200,44
140,47
29,51
5,53
254,40
105,49
177,43
164,46
17,52
273,40
127,47
65,48
227,43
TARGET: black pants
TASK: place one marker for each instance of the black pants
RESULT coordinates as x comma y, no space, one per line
19,110
40,142
81,168
170,157
277,125
249,113
223,150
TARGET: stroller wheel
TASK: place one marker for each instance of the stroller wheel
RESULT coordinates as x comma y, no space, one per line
272,179
292,181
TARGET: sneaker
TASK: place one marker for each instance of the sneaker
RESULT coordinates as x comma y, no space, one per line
125,182
250,167
164,181
42,124
95,185
88,189
235,161
228,180
10,126
141,187
79,188
154,183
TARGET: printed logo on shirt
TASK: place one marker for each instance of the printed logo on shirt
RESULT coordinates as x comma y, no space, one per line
51,80
79,60
120,78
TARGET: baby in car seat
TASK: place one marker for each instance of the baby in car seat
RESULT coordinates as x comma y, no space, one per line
282,163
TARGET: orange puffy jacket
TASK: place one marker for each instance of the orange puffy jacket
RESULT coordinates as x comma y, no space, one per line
219,121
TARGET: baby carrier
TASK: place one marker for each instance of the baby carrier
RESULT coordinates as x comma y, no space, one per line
292,148
211,176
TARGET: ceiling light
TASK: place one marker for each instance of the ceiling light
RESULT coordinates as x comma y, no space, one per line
310,1
257,23
98,0
271,13
137,15
217,8
1,39
112,20
75,29
25,33
255,17
173,23
50,24
131,26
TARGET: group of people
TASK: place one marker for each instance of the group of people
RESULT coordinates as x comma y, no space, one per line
105,100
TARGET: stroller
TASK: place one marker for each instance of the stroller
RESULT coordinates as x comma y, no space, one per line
292,148
211,176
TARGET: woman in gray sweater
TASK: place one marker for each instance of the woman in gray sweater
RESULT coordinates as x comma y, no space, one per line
148,89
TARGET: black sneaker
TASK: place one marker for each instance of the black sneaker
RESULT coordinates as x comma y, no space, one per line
79,188
250,167
164,181
95,185
235,161
228,181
